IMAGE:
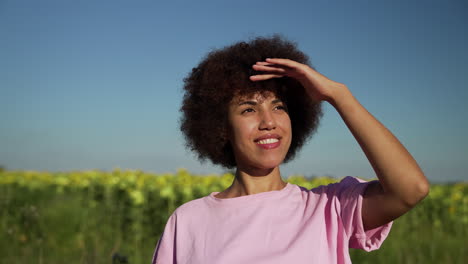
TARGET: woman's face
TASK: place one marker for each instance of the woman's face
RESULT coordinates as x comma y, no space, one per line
260,130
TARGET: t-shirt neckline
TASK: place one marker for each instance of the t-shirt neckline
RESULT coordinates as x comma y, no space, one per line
251,197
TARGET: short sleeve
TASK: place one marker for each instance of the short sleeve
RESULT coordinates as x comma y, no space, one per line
349,192
165,251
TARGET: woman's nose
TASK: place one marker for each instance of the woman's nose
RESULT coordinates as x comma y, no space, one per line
267,121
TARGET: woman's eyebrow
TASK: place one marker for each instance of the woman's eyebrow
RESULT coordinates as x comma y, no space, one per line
276,101
247,103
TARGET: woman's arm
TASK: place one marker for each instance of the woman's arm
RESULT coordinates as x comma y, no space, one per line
401,184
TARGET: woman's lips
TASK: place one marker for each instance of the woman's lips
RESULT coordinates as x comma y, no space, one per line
269,143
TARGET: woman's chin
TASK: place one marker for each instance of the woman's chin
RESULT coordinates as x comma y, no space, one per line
267,164
261,164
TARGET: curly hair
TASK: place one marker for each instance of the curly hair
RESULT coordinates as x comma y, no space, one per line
224,74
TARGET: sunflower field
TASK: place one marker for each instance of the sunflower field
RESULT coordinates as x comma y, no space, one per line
118,216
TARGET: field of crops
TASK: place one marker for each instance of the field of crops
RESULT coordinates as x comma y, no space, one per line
118,216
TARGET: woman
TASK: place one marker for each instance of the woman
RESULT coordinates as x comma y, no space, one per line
251,106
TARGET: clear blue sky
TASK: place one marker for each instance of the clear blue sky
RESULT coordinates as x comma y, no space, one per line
98,84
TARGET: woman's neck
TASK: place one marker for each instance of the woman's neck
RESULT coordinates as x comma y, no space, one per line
249,182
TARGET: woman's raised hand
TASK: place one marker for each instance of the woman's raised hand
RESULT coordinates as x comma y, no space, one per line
319,87
402,183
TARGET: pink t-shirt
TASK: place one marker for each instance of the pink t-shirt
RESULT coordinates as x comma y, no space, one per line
291,225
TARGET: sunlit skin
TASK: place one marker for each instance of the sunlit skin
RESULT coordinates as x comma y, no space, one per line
252,118
401,185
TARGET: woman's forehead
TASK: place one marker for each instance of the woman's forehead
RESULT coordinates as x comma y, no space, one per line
259,97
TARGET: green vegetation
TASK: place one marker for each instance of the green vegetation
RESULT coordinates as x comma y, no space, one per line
93,216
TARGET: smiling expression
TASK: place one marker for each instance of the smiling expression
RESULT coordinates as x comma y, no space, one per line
260,130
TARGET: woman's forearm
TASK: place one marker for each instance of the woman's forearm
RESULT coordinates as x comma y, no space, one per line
398,172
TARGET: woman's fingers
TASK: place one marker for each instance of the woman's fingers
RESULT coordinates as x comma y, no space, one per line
262,77
295,69
277,68
270,69
317,85
284,62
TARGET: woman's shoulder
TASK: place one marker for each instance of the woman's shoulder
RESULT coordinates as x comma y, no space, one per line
346,182
195,206
345,186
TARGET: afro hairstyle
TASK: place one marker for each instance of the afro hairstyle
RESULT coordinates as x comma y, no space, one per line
224,74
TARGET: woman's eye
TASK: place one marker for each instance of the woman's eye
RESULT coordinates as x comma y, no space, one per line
280,107
248,110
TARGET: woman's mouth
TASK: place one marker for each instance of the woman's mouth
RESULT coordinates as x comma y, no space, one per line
268,143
